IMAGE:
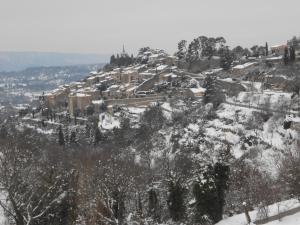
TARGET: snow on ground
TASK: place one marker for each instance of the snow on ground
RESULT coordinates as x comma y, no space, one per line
275,99
167,110
274,209
39,130
3,220
244,66
108,122
135,110
235,125
289,220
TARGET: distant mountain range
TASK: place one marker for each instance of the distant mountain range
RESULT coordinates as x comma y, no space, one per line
16,61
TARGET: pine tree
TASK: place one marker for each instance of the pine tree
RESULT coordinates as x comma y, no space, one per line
61,140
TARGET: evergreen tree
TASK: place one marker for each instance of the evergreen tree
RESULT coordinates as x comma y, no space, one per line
182,50
292,54
205,196
154,205
213,93
73,137
97,136
61,140
176,200
112,59
118,206
267,49
209,192
226,58
221,175
286,58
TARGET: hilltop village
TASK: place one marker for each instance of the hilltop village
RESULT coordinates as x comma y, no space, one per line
157,77
135,85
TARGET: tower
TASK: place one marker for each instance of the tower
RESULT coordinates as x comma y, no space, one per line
123,54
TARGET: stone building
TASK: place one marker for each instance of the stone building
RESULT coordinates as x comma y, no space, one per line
57,98
78,103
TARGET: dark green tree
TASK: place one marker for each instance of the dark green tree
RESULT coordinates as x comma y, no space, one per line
154,210
61,140
182,50
97,136
175,200
113,59
286,57
221,176
209,192
213,93
226,58
118,206
73,137
267,49
292,54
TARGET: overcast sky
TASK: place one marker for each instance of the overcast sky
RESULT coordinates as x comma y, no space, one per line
102,26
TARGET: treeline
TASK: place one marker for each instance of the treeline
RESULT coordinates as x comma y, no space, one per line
205,47
122,60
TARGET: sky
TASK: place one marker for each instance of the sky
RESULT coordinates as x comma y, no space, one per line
103,26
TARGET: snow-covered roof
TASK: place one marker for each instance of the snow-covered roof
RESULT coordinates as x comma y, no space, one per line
92,78
274,58
98,102
244,66
82,95
161,67
198,90
279,46
95,72
170,75
129,71
131,89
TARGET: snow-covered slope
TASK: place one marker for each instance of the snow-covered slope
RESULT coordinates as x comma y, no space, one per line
274,209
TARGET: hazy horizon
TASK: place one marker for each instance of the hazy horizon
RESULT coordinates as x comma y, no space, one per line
103,26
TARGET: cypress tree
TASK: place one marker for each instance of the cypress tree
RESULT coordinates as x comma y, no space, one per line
176,201
267,49
213,93
61,140
73,137
97,136
286,56
221,176
118,206
292,54
226,58
205,195
153,205
209,193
